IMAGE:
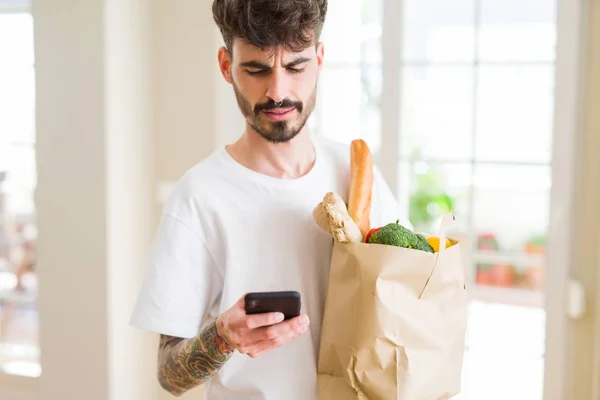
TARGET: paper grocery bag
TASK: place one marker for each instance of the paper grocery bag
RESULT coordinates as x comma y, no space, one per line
394,323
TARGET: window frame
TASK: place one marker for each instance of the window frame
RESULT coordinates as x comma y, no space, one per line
11,385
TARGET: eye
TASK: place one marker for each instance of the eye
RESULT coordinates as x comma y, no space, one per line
256,72
296,70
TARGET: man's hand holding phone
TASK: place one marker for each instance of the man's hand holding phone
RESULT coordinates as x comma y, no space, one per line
256,334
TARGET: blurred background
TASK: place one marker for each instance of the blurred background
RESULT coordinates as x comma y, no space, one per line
487,107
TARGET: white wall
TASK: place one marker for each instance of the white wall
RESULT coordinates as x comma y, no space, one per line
186,101
195,109
71,198
129,180
94,195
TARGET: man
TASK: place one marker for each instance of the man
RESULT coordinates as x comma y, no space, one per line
241,220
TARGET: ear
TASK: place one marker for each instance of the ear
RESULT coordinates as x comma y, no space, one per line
224,58
320,55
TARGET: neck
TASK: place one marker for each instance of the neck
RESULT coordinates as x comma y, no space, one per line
288,160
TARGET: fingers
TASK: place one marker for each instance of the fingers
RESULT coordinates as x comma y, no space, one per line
265,339
289,329
282,334
256,334
254,321
295,325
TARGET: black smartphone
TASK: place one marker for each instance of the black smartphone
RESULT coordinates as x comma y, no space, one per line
287,302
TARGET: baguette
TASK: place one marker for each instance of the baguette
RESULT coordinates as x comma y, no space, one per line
361,185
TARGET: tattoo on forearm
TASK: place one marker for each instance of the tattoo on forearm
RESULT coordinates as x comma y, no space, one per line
187,363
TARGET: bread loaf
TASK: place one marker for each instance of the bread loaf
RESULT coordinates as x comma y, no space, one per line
332,216
361,185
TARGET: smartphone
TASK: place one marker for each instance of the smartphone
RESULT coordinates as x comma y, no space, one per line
288,303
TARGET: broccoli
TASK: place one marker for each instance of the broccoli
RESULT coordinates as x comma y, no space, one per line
395,234
424,244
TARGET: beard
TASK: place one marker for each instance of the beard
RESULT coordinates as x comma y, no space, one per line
276,131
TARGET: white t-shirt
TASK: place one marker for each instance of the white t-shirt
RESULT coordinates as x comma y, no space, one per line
227,230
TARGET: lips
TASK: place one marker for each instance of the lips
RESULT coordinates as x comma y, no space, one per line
279,113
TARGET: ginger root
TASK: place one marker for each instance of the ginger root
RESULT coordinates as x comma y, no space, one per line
332,216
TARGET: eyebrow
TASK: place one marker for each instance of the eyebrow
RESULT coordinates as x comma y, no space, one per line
297,61
262,65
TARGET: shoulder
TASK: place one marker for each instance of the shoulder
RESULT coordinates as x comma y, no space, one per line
333,150
335,155
196,188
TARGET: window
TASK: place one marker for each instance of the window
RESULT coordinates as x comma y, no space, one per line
19,352
349,89
474,132
477,81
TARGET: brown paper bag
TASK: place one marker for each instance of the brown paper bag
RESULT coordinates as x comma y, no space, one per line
394,324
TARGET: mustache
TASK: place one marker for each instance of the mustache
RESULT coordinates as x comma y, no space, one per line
271,104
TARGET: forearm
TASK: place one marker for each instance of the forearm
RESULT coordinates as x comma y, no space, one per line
187,363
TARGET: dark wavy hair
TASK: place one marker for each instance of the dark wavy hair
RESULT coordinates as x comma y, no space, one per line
292,24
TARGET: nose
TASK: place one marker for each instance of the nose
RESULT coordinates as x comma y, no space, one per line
278,86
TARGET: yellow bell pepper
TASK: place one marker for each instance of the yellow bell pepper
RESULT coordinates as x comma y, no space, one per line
434,241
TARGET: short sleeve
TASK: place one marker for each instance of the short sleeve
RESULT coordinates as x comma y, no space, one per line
180,285
385,208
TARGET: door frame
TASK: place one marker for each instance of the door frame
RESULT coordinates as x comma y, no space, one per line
560,254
